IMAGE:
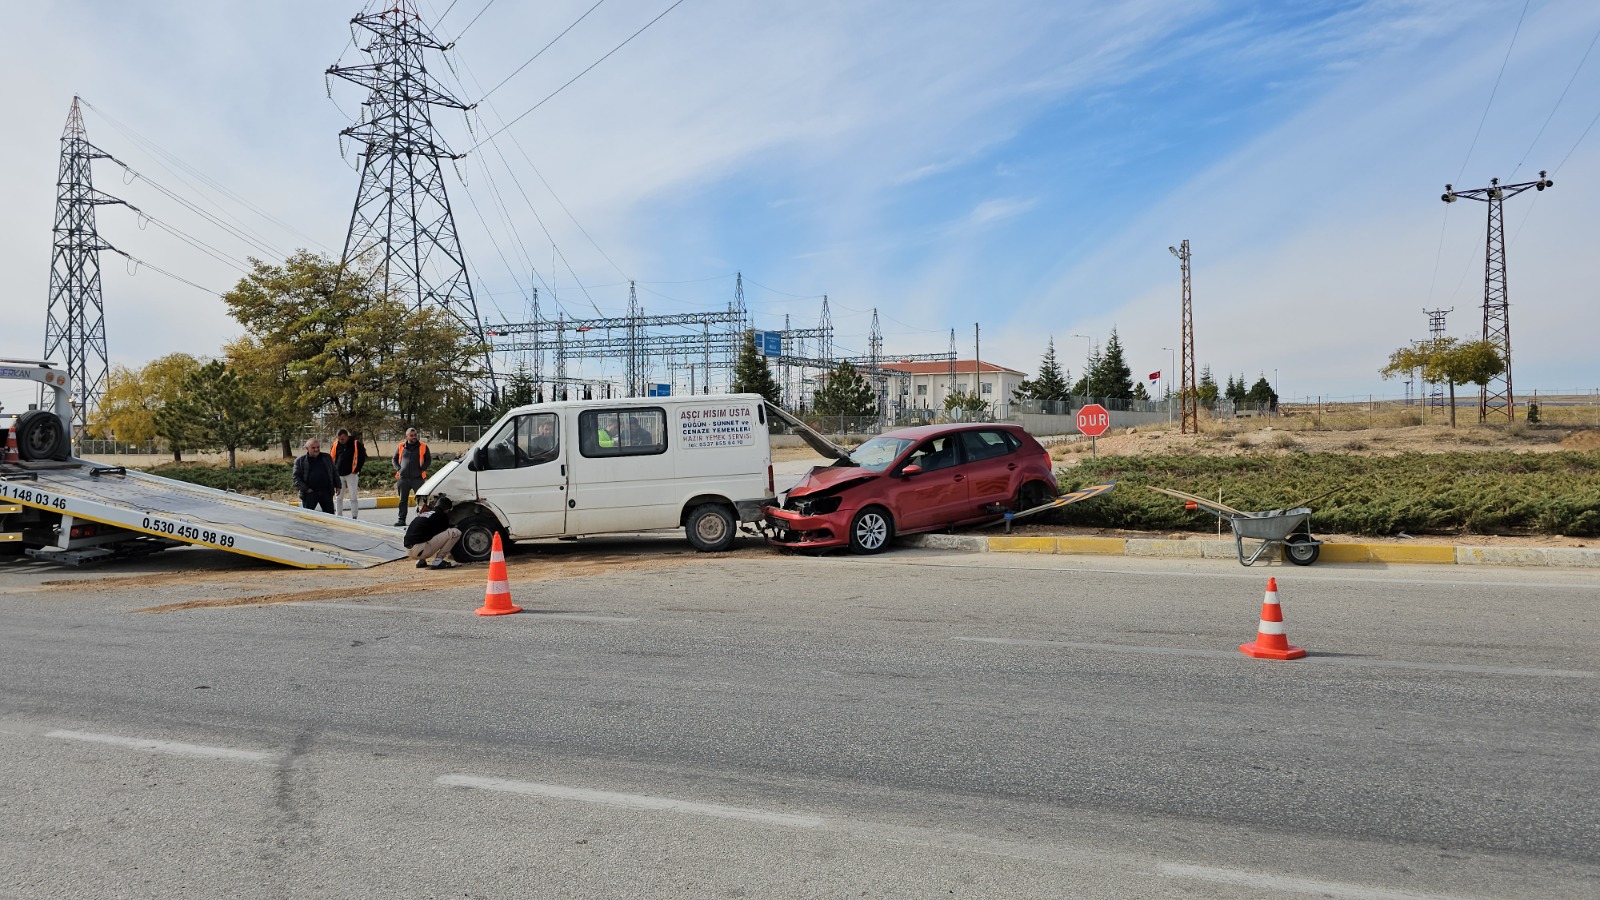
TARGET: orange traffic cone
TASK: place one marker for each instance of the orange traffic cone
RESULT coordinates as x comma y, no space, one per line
497,596
11,445
1271,641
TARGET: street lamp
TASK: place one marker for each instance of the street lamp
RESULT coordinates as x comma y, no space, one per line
1088,357
1174,359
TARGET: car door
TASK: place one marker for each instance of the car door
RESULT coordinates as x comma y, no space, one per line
937,494
991,467
522,471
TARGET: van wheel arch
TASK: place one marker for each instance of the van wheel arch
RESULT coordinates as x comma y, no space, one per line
478,527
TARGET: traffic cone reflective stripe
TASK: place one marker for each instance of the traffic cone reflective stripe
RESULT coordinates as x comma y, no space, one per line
1272,640
11,445
497,596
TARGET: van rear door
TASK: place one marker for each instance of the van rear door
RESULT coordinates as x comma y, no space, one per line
522,471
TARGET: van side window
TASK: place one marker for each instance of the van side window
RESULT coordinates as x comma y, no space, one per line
637,431
523,441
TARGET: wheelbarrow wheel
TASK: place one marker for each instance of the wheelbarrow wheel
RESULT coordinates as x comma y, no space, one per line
1301,550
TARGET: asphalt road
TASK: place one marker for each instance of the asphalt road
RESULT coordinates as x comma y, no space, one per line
912,725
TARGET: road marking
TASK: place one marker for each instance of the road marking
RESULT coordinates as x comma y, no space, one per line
631,801
173,748
1313,659
576,617
1282,884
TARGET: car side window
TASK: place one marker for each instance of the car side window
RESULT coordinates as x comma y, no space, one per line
523,441
939,453
982,445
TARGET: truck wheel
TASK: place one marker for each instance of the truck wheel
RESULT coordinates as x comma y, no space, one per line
710,527
871,530
477,538
40,436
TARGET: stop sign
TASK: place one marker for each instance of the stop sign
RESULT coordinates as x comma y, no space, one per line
1093,420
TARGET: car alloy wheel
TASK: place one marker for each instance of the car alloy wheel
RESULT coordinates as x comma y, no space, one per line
870,530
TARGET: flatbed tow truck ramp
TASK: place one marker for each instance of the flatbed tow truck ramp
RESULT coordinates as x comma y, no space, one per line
103,511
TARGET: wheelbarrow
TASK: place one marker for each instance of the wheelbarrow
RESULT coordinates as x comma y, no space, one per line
1287,529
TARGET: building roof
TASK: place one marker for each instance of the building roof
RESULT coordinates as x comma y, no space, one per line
963,366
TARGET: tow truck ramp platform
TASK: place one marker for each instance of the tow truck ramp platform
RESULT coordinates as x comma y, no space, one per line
163,512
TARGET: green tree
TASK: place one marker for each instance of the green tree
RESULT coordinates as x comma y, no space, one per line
1114,378
1450,361
321,344
1206,391
750,372
1051,384
1235,390
218,410
128,411
1261,393
971,407
1139,392
845,392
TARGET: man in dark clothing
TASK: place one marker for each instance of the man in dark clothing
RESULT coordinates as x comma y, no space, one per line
314,478
430,534
348,458
411,460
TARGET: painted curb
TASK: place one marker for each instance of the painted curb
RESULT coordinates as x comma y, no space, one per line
1153,548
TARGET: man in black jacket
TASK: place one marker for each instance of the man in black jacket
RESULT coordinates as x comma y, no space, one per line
314,477
430,534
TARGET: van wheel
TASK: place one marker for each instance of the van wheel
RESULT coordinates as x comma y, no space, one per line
871,530
477,538
40,436
710,527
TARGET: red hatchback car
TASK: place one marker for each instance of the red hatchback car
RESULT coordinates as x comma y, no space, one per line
911,480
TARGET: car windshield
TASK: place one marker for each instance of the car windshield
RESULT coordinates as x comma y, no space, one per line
876,455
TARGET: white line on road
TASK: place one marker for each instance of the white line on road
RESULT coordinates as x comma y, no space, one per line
173,748
1309,660
576,617
1283,884
631,801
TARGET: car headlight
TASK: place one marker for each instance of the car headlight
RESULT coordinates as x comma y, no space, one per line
821,506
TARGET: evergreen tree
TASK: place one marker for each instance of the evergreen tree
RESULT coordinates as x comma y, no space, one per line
1114,378
971,406
1139,392
845,392
1235,390
1206,391
1051,383
217,410
1261,393
751,375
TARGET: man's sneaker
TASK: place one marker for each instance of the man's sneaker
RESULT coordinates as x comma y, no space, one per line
422,564
443,564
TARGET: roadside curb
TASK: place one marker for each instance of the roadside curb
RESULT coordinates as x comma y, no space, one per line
1431,554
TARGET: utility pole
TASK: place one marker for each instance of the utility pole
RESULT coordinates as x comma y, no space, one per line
1188,393
1436,329
977,359
75,325
635,378
880,386
1498,394
402,224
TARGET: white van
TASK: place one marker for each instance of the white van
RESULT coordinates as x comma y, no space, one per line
701,463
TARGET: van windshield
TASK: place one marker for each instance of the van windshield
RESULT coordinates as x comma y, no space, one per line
876,455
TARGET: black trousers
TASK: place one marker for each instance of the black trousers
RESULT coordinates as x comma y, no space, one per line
313,499
406,487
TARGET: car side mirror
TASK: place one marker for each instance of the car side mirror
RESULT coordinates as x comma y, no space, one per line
475,461
910,470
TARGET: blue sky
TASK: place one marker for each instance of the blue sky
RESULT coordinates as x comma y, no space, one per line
1023,165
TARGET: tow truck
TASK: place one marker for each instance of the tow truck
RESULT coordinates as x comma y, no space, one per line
57,507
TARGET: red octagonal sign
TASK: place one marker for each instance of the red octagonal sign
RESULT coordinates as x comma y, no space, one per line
1093,420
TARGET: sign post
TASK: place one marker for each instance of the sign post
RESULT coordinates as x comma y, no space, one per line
1093,420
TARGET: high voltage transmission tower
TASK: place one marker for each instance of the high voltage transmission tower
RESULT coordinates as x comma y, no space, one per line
75,326
1497,395
1436,329
402,225
1188,391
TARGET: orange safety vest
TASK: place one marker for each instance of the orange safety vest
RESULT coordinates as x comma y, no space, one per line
422,450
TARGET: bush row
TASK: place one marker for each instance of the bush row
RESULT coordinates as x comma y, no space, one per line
1417,493
268,478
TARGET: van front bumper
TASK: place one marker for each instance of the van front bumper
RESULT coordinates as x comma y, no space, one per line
751,510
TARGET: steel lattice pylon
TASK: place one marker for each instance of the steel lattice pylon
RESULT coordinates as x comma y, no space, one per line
402,225
1497,395
75,327
1189,389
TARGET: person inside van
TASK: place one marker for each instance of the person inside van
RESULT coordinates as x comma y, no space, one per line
606,437
543,445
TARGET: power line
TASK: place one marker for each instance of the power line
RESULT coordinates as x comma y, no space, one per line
1558,102
541,50
1575,145
1493,91
474,19
558,90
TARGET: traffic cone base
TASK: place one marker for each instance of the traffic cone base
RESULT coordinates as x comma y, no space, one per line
1272,640
497,596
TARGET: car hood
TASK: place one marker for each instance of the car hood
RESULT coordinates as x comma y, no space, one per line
831,479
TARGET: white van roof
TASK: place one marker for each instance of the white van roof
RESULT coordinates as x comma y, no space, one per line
635,402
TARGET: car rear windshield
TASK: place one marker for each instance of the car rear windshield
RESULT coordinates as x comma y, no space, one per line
877,454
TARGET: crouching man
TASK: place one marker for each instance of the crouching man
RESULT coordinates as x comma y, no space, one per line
430,534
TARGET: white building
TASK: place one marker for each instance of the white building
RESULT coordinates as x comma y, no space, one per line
929,383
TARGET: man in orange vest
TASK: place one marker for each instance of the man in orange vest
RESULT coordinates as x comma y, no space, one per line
411,460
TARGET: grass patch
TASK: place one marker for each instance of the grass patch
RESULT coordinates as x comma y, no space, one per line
1496,492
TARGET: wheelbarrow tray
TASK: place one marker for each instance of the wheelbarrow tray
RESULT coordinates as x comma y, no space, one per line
1271,528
